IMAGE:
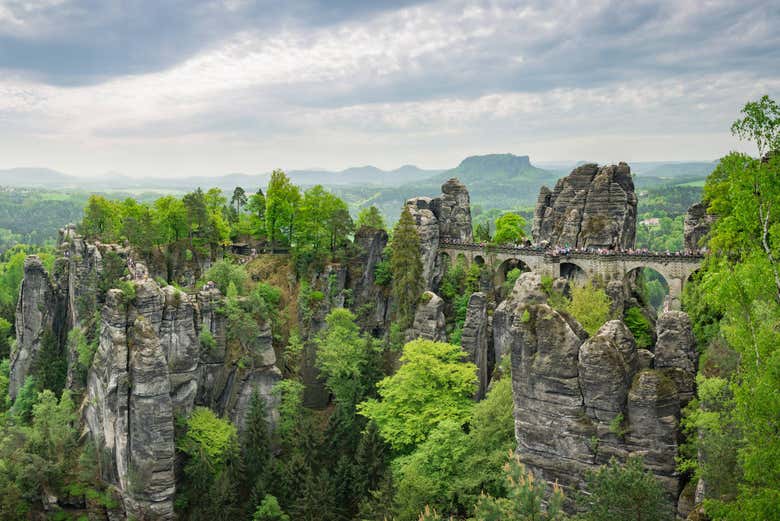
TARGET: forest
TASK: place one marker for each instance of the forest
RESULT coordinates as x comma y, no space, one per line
401,436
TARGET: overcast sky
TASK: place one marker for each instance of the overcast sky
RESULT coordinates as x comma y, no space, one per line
174,88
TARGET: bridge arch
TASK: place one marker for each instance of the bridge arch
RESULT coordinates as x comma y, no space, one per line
507,265
573,271
655,284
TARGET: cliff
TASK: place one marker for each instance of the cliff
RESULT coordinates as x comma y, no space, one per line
150,366
592,207
580,401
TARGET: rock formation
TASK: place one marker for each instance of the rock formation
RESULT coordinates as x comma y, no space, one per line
696,226
591,207
580,401
151,363
444,218
476,338
429,320
455,212
36,312
675,352
365,293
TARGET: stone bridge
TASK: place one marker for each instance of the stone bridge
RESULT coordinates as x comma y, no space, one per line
676,269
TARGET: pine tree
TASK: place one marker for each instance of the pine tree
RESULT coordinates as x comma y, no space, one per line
256,450
406,267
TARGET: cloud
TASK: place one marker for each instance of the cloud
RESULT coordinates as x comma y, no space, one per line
300,75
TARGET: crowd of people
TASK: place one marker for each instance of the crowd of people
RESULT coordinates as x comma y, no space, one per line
563,251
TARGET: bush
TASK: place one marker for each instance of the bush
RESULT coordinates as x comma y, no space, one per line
207,340
640,326
590,306
225,272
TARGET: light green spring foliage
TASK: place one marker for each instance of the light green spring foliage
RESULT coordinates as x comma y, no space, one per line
269,510
736,303
210,434
346,358
224,273
370,217
281,202
509,229
525,499
624,492
406,266
433,384
452,468
590,306
640,326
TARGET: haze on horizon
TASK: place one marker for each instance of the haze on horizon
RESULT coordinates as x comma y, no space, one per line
153,89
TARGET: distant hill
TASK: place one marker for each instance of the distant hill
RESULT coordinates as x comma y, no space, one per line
494,181
364,175
35,177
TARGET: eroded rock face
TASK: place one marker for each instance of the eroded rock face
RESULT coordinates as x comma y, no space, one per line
152,366
455,212
580,401
36,312
675,352
696,226
591,207
444,218
476,338
422,210
366,294
429,322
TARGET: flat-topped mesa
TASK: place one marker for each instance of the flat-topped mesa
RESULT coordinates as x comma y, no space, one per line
592,207
446,218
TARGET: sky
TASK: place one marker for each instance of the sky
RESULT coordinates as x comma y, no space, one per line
177,88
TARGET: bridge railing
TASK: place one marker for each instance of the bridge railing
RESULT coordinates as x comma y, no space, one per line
573,254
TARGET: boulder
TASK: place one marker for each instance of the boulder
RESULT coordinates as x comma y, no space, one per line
591,207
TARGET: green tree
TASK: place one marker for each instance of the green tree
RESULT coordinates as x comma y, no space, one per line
433,384
406,266
525,499
269,510
101,219
225,272
624,493
281,204
256,449
370,217
590,306
170,219
238,199
509,229
348,360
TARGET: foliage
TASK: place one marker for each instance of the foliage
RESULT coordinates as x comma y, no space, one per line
225,272
735,306
348,361
370,217
590,306
525,500
433,384
256,449
406,265
207,339
624,492
509,229
453,467
207,432
269,510
281,202
640,326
